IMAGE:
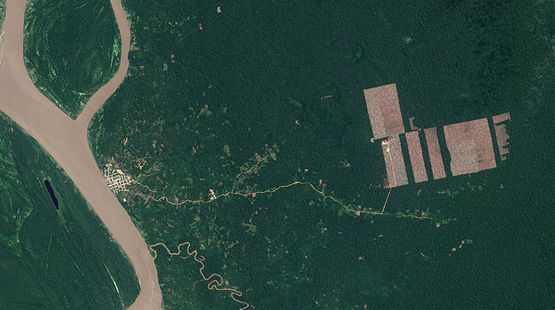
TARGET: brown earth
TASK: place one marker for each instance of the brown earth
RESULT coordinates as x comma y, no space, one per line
470,146
384,112
394,162
434,151
416,157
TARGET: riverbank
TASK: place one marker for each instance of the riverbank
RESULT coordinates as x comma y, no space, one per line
66,141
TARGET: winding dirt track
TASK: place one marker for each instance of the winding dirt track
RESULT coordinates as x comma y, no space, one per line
66,141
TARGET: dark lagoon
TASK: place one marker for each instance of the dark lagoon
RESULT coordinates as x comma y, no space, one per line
51,192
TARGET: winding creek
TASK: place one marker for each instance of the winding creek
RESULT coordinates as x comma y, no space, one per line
66,141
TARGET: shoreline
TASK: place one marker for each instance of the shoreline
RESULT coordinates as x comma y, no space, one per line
66,141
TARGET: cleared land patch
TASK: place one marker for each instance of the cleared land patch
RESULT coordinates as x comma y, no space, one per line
384,111
199,109
394,162
436,160
470,146
416,157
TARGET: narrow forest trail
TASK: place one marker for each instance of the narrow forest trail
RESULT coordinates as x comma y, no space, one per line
66,141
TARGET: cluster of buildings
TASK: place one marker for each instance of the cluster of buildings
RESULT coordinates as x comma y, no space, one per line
469,144
116,179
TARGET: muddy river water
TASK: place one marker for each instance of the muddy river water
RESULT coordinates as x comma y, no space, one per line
66,141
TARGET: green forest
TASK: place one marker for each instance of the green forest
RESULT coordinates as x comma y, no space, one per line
53,257
245,127
71,48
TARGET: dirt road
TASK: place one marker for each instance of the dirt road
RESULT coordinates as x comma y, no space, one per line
66,141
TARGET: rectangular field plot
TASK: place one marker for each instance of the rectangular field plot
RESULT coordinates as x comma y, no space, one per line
501,118
436,160
384,112
470,146
501,134
394,162
416,158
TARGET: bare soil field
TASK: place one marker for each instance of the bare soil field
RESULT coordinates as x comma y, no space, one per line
416,158
436,160
382,103
470,146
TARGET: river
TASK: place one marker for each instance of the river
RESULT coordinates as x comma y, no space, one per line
66,141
